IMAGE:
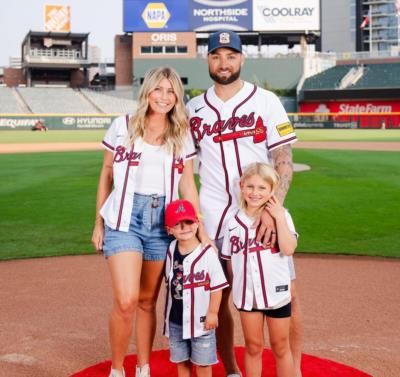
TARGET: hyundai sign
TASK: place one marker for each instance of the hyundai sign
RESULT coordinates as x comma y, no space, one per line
286,15
145,15
206,15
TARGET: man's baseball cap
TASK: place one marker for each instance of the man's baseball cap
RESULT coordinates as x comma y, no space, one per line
224,38
179,210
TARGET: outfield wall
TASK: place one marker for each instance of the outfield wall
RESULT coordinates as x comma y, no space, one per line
56,121
299,120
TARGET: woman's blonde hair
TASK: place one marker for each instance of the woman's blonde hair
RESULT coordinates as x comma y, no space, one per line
267,173
177,120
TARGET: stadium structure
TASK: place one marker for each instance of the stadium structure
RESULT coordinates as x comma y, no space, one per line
282,43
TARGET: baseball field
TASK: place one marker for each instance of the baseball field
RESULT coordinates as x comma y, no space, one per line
54,310
346,204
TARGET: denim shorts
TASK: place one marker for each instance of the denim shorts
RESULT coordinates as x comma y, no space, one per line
200,351
292,272
146,234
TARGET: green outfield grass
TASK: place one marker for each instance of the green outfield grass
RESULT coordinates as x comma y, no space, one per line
348,203
52,136
348,135
63,136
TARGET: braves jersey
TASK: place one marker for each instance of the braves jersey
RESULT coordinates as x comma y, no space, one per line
117,209
202,274
261,277
229,136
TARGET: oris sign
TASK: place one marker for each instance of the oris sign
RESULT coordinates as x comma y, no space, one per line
286,15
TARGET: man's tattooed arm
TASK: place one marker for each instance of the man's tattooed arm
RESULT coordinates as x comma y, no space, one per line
283,163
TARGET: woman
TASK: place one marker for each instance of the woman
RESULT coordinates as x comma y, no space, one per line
147,159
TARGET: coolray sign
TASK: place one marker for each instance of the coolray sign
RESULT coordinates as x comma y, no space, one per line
145,15
209,15
286,15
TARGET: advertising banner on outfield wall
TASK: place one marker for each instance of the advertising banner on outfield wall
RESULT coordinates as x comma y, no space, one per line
346,114
66,122
210,15
286,15
145,15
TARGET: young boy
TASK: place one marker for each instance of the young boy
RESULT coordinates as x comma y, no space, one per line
195,280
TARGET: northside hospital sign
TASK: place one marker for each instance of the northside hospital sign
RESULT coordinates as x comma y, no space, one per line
211,15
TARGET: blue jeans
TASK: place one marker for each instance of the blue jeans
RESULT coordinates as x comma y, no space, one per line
146,234
200,351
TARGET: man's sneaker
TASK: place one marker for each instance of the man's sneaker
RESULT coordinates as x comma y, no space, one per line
117,373
144,371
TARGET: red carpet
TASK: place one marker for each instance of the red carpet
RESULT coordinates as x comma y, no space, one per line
161,366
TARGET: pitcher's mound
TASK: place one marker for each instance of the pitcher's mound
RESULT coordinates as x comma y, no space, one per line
161,366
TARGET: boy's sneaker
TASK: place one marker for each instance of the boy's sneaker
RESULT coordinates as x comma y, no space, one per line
144,371
117,373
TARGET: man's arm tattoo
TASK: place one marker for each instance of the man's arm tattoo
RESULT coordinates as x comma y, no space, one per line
283,163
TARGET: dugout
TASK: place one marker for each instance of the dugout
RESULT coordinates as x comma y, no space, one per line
55,59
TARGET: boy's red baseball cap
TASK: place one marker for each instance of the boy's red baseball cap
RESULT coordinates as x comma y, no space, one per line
179,210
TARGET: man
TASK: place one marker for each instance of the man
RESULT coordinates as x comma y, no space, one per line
235,123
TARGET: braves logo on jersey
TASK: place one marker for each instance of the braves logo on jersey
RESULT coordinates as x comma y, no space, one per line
246,121
249,246
121,154
178,164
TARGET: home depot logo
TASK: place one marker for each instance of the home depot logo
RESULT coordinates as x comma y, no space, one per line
156,15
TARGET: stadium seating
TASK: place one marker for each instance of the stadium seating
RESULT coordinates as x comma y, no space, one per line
329,79
57,100
109,103
9,103
380,76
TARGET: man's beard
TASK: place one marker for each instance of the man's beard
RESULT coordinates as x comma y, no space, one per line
225,81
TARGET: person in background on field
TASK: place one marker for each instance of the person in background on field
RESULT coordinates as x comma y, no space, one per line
235,123
147,160
260,275
195,280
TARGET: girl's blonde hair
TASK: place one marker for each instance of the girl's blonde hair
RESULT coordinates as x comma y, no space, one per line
177,120
267,174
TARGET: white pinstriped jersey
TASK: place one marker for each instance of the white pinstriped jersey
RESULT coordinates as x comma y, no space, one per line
117,209
261,277
202,274
229,136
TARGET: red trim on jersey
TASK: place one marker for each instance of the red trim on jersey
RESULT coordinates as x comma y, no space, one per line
224,168
121,206
172,176
108,145
262,279
223,285
239,165
191,155
281,142
192,289
246,232
168,256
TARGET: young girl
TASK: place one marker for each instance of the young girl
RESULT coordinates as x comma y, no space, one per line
261,279
147,160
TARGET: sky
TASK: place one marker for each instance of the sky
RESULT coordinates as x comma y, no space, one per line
101,18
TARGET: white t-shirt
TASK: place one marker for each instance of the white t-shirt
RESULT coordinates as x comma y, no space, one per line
150,175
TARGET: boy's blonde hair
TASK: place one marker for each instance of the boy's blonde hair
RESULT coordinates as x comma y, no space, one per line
266,172
177,118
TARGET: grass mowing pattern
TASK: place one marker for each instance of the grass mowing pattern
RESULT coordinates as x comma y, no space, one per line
348,203
47,203
348,135
76,136
52,136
